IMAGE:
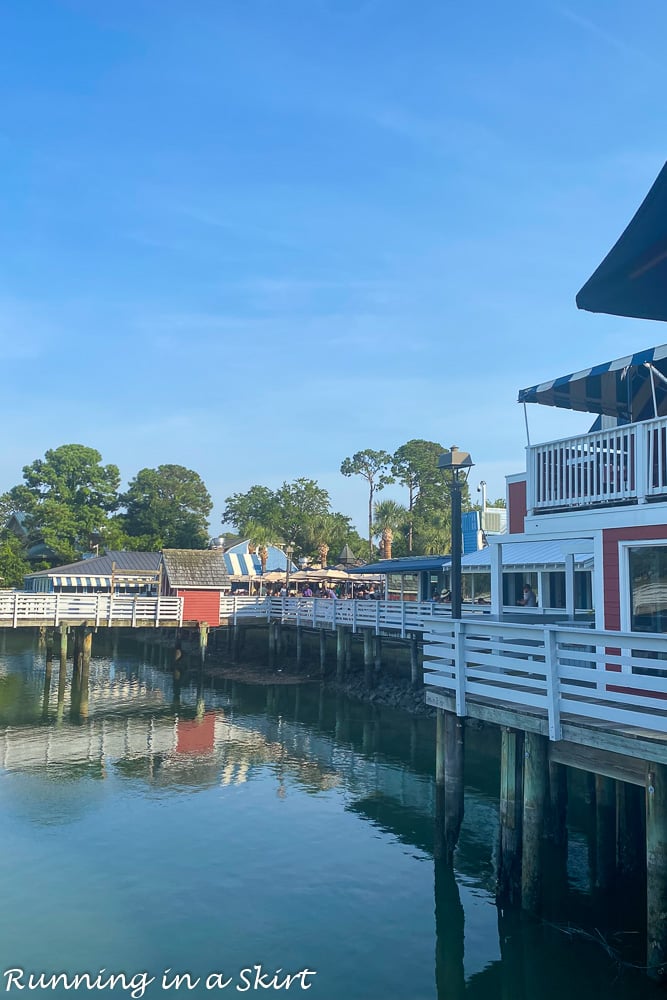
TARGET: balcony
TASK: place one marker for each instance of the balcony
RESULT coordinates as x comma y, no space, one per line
621,466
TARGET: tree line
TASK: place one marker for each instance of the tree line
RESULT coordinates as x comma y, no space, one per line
70,503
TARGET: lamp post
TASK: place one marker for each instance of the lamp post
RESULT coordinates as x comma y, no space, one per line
289,549
458,464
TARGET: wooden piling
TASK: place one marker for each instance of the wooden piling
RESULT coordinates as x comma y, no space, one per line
62,673
323,651
656,871
511,815
439,840
535,791
340,652
378,655
557,821
86,654
348,652
368,655
415,677
605,832
203,640
630,831
454,788
299,647
47,674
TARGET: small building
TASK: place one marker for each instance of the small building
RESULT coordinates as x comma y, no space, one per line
200,577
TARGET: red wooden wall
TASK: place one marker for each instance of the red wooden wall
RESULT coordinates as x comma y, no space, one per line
201,606
611,570
517,501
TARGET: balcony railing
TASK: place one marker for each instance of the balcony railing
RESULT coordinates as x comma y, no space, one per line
622,465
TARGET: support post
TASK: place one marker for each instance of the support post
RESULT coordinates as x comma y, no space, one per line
534,802
630,816
86,654
348,652
299,646
511,814
656,871
454,789
368,655
414,660
203,640
439,843
378,654
340,652
605,832
62,673
47,674
323,651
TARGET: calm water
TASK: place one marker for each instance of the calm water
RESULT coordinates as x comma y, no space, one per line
249,826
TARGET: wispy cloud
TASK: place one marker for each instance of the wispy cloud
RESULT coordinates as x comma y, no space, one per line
605,36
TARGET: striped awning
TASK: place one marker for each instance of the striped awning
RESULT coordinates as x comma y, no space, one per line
623,389
102,581
243,564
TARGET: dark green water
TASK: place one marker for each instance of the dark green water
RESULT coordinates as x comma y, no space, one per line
246,826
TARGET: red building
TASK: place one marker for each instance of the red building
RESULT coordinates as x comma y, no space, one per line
199,576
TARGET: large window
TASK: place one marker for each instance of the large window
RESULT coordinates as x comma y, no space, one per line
648,588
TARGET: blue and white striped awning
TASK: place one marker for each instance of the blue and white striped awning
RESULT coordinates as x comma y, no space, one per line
103,581
243,564
81,581
623,389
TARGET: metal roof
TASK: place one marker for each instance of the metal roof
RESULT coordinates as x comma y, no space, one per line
408,564
126,562
197,569
525,555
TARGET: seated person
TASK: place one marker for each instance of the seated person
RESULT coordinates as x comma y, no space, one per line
529,599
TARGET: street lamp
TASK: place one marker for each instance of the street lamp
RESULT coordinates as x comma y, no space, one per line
458,464
289,549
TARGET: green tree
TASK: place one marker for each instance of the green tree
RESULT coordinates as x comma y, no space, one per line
13,563
168,507
66,497
371,466
415,466
258,506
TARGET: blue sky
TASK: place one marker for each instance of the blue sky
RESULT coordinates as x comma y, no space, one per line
255,236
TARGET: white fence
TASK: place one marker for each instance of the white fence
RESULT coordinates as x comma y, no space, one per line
622,464
396,616
610,677
50,609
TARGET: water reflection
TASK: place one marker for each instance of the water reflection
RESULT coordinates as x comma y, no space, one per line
281,815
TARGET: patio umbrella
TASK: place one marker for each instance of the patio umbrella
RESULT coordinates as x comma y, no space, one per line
632,279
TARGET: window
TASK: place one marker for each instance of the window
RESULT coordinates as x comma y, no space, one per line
648,588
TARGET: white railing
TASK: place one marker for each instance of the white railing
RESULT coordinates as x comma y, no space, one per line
587,470
610,677
397,616
51,609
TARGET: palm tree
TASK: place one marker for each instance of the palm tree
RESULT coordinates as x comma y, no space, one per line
259,538
389,517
